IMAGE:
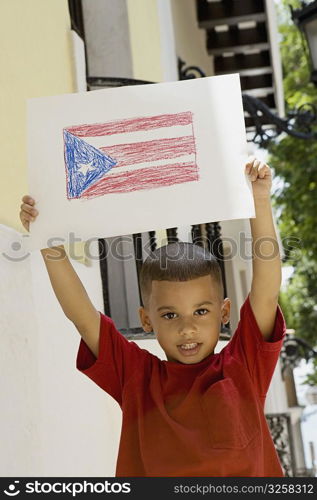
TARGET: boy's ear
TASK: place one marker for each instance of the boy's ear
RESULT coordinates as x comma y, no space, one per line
225,311
145,320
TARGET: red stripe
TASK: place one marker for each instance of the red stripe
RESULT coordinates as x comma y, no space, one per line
145,178
131,125
141,152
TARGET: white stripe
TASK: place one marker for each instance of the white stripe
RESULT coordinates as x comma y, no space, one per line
141,136
181,159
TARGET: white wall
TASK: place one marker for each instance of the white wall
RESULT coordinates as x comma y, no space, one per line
19,386
79,424
54,420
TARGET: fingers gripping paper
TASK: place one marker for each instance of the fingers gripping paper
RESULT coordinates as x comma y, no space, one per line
133,159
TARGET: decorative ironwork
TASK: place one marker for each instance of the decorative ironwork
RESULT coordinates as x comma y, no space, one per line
137,243
172,235
299,122
294,350
281,432
196,235
102,246
188,72
215,246
152,240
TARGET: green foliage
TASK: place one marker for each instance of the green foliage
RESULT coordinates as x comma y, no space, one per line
294,162
298,301
295,59
311,378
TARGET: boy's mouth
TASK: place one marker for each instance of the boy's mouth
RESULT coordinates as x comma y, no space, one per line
189,349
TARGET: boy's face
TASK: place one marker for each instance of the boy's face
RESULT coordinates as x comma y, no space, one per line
186,317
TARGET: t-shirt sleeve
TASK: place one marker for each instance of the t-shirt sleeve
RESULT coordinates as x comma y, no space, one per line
259,355
118,359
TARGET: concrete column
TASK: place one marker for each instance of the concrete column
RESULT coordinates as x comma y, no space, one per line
107,38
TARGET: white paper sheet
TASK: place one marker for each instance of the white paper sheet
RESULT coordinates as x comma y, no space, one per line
133,159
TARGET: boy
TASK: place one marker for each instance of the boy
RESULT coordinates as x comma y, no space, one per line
198,413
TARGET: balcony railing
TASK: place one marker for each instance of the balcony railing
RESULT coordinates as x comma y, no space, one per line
281,432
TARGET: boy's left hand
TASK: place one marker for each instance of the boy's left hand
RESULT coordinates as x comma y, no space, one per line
261,177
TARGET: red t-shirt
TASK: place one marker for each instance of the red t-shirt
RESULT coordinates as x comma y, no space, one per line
203,419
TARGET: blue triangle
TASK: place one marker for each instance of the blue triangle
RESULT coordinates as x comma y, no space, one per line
81,156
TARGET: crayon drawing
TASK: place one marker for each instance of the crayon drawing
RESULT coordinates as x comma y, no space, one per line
130,155
119,161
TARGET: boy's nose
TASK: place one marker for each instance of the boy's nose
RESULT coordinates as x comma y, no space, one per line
188,330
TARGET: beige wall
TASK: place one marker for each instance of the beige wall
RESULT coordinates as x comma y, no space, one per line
35,60
145,40
146,32
189,39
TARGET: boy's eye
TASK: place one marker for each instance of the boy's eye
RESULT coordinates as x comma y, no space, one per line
201,312
169,315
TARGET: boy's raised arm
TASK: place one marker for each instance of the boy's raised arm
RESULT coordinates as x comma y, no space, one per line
266,260
67,286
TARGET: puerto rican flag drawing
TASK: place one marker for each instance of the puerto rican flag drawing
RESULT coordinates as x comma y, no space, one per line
131,154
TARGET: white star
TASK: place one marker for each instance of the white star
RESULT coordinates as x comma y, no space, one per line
84,168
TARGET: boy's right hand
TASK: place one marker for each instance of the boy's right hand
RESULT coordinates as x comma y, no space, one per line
28,212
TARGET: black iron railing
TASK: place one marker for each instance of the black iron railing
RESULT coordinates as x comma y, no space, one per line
281,432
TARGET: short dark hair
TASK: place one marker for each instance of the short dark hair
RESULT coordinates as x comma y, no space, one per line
179,261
